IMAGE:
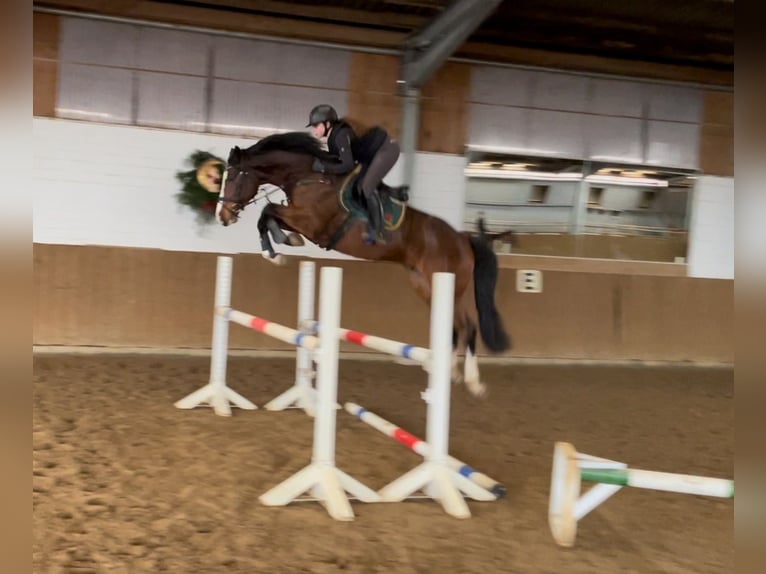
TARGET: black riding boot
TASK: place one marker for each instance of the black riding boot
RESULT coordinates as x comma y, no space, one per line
398,192
375,211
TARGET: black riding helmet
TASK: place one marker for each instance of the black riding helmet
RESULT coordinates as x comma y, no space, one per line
322,113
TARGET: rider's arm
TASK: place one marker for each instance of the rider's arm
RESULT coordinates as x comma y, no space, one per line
344,162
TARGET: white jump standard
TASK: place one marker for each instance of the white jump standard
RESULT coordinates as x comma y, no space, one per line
216,393
322,478
437,396
435,476
302,394
570,469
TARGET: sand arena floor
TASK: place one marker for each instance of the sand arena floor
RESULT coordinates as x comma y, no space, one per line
124,482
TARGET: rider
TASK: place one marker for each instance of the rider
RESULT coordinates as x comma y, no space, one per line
351,143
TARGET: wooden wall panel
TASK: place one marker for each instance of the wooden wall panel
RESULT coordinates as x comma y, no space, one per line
717,137
106,296
718,108
571,318
685,318
372,94
45,63
444,110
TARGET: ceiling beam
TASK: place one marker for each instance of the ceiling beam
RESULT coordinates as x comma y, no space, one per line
233,21
472,51
430,48
342,15
439,4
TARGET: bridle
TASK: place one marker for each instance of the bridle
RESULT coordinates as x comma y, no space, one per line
239,206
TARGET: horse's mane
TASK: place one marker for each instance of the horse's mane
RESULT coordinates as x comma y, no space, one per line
294,142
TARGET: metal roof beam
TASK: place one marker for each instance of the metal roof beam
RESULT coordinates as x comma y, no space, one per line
428,49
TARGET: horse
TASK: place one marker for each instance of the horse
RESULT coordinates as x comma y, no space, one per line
422,243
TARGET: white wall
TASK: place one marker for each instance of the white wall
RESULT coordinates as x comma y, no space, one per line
438,186
97,184
711,229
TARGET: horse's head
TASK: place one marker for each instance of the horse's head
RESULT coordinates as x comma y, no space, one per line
277,159
240,184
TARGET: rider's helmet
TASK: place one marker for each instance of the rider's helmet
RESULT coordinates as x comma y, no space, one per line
322,113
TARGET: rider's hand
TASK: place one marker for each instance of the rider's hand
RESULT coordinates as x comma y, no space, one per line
318,165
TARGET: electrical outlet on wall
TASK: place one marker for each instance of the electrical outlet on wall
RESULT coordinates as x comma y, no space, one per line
529,281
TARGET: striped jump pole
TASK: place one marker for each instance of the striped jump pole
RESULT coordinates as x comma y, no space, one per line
570,468
421,447
216,393
381,344
321,477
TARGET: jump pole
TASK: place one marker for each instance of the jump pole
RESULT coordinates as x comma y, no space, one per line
421,447
570,468
216,393
321,477
381,344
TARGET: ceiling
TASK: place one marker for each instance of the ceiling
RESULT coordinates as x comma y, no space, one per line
682,40
696,33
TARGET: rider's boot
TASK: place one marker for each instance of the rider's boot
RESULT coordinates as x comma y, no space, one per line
375,210
398,192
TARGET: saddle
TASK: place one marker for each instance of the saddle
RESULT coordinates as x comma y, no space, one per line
352,200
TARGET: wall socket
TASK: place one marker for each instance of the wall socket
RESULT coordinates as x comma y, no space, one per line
529,281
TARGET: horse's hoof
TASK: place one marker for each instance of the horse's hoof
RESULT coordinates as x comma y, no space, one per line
295,240
278,259
477,389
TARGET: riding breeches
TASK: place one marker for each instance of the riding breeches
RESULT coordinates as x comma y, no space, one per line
381,164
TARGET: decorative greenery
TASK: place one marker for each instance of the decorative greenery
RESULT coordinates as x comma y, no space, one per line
200,185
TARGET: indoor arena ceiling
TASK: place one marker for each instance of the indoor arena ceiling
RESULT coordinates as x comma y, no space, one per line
695,34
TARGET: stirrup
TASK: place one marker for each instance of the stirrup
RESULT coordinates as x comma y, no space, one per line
373,237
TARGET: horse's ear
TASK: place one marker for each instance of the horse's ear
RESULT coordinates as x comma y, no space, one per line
234,156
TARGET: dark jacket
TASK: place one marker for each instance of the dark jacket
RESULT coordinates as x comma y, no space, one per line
349,149
341,144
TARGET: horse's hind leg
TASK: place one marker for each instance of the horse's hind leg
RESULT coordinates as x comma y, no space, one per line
472,380
423,288
456,376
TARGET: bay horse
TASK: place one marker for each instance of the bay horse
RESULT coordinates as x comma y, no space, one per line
422,243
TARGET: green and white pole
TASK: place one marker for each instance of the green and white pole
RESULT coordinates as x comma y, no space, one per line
570,469
669,482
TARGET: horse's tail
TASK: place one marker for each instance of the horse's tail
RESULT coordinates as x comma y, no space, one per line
484,278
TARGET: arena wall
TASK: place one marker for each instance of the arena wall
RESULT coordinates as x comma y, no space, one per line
128,297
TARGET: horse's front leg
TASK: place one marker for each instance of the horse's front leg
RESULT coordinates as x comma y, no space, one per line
265,222
294,239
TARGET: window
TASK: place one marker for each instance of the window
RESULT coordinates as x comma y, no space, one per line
594,196
647,199
539,194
